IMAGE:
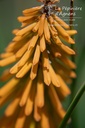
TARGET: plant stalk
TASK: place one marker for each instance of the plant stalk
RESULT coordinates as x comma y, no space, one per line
72,106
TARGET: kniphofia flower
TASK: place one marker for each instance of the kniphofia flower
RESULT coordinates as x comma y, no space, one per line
37,82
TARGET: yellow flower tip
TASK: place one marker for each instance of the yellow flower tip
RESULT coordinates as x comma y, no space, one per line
40,104
48,84
28,111
71,32
73,75
58,84
20,18
68,92
15,31
73,65
58,55
68,50
21,104
71,41
35,29
37,118
73,52
76,31
12,71
24,70
8,61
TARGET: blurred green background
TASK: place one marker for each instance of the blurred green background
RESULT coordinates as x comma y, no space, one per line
11,9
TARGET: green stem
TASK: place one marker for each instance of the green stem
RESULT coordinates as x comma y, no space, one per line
71,25
72,106
72,87
72,57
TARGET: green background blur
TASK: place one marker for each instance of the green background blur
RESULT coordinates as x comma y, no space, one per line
11,9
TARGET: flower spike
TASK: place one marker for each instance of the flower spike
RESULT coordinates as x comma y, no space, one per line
37,81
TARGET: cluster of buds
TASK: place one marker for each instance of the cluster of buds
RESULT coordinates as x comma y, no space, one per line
37,82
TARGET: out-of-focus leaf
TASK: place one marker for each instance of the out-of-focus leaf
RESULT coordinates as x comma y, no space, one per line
79,113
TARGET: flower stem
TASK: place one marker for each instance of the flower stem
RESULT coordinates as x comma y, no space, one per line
72,87
71,24
72,106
